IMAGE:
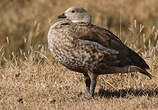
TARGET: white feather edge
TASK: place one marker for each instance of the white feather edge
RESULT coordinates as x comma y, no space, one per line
99,46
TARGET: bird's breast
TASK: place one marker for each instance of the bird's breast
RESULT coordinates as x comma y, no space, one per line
64,48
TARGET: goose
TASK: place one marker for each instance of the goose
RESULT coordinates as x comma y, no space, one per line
83,47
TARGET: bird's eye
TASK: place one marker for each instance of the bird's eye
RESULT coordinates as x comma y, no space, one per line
73,11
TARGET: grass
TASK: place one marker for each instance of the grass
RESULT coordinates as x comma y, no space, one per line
39,85
31,79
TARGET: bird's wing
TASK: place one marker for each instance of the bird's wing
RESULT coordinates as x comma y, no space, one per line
102,39
99,46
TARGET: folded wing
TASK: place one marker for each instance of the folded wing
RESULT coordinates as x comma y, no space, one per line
105,40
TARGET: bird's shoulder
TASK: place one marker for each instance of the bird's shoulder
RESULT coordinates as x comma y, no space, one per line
101,36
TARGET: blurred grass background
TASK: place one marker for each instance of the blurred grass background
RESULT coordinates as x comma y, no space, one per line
24,24
29,81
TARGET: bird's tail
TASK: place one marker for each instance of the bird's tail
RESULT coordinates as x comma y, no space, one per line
137,60
146,73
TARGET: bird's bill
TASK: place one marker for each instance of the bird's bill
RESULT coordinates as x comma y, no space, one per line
62,16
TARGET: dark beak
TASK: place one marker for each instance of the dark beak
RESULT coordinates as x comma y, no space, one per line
62,16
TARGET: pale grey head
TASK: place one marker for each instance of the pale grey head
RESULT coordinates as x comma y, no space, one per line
76,15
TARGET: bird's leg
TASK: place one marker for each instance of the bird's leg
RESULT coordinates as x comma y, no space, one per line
93,78
87,82
92,87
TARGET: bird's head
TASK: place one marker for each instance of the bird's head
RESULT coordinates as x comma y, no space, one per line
76,15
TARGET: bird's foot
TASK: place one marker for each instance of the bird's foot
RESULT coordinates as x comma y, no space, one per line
88,96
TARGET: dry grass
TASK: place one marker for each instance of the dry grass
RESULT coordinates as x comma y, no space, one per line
25,24
31,80
43,86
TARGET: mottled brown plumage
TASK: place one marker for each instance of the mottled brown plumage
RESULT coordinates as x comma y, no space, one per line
83,47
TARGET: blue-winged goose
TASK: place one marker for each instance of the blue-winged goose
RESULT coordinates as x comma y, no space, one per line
86,48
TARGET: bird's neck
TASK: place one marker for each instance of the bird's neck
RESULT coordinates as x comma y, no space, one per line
81,22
